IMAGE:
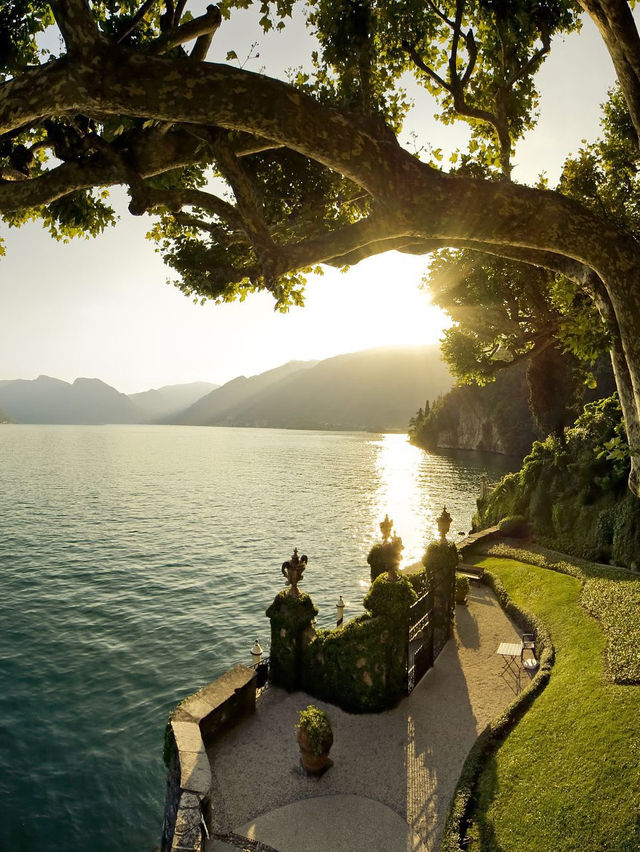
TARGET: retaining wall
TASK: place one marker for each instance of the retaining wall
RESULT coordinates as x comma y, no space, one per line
194,725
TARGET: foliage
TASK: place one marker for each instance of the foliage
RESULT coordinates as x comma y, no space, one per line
390,598
515,526
573,493
440,559
317,726
462,587
361,667
480,69
504,310
385,556
570,754
604,174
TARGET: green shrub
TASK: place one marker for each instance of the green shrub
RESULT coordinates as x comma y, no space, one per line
385,556
515,526
440,558
462,588
574,494
317,726
390,598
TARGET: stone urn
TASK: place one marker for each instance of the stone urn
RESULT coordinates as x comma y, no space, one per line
292,571
315,739
444,524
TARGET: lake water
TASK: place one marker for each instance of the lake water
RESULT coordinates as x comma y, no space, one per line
136,566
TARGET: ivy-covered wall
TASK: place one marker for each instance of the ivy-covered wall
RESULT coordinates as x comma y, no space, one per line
291,619
362,667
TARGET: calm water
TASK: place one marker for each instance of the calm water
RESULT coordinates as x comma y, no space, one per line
136,566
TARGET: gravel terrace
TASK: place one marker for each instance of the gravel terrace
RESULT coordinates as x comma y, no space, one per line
407,759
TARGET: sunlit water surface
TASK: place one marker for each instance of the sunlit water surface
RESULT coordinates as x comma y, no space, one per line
136,566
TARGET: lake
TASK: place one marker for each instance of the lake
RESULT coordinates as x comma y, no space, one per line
137,563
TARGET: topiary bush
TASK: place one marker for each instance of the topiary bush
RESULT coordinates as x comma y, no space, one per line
514,526
385,556
440,557
390,598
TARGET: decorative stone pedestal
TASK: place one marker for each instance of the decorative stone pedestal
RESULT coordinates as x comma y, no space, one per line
291,617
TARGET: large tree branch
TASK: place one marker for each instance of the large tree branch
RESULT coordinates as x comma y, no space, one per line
76,24
133,23
204,26
425,202
618,30
146,199
249,204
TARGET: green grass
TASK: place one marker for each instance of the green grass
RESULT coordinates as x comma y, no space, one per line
567,777
611,595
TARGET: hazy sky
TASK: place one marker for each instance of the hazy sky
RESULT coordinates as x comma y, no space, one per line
101,308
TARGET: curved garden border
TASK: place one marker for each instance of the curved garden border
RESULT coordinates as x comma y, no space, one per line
493,735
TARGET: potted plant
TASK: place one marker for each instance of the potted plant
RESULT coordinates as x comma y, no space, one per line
462,588
315,739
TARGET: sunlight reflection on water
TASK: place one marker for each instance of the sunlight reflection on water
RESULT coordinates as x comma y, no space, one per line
137,565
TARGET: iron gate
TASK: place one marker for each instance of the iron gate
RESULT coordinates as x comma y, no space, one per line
420,654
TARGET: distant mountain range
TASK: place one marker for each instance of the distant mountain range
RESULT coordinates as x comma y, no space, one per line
91,401
375,390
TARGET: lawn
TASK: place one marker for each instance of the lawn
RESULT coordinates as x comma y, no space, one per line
567,778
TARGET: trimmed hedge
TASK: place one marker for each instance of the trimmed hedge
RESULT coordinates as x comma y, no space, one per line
453,838
515,526
362,666
385,556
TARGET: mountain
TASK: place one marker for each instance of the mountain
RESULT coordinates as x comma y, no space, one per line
48,400
163,402
216,406
375,390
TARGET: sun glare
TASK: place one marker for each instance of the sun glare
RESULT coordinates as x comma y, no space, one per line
398,494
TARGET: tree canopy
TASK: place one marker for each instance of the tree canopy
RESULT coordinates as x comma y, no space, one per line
313,167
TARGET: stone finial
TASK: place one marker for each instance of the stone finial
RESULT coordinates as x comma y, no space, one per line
444,523
386,526
292,570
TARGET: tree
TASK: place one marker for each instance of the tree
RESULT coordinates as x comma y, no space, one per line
315,169
505,312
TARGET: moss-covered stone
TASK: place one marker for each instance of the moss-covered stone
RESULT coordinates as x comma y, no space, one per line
291,619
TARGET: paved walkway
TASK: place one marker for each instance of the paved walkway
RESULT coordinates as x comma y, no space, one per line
394,773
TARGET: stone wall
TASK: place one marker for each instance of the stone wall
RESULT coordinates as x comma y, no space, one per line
194,725
361,666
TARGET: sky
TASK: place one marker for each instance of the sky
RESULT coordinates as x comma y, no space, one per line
102,308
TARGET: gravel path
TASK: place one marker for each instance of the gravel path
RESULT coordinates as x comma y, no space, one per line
408,759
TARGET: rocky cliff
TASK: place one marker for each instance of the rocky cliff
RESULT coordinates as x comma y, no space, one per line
494,418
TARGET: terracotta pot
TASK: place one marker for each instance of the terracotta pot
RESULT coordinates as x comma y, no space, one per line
311,763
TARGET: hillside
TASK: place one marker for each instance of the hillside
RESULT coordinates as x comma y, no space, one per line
49,400
163,402
217,405
374,390
574,493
